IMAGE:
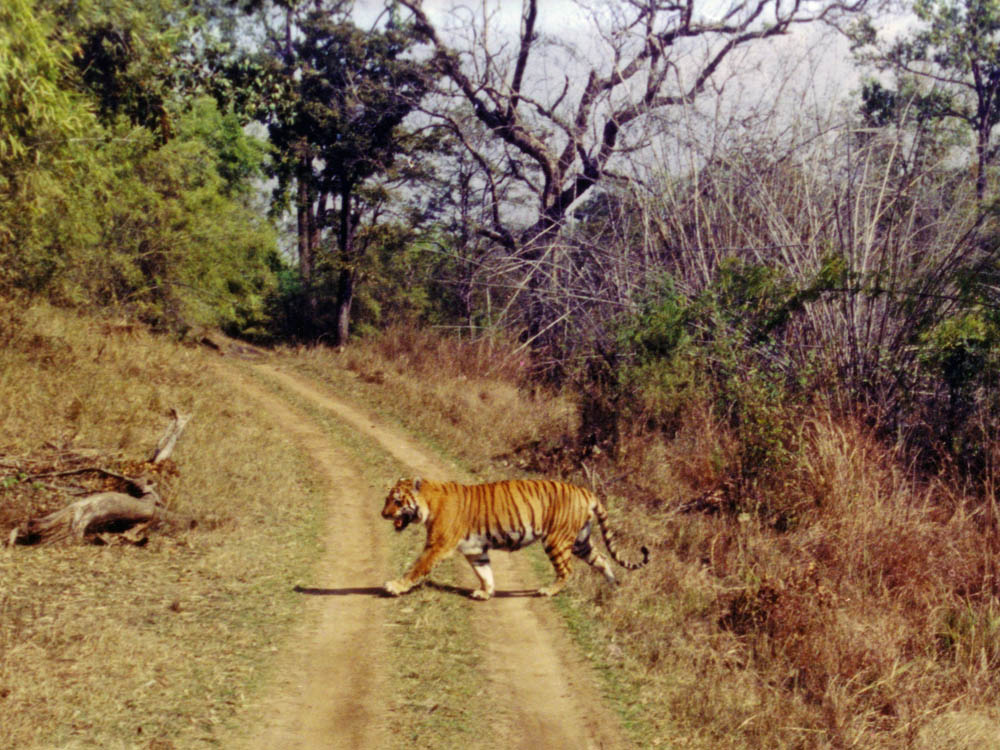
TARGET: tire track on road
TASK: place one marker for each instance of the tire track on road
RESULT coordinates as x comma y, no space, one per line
543,694
327,693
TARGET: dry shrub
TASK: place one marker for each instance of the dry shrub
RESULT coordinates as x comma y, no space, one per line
426,353
473,395
860,619
858,626
662,469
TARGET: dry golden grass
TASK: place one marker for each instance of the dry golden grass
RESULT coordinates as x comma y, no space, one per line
871,620
864,625
471,399
120,646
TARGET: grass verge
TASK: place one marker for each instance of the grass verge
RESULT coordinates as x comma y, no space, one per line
158,646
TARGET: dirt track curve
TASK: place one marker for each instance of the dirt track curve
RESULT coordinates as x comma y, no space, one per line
542,694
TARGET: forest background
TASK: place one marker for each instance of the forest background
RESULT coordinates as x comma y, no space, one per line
657,208
655,202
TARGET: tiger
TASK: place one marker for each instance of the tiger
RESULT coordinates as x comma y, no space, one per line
503,515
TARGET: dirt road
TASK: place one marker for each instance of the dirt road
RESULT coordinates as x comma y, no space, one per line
542,695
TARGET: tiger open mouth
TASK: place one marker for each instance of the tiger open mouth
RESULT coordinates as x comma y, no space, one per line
403,519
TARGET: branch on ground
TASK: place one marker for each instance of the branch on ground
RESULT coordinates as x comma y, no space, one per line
109,517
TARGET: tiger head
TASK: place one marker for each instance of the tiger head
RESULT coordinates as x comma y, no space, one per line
403,505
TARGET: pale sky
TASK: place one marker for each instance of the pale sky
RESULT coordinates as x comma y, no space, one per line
567,20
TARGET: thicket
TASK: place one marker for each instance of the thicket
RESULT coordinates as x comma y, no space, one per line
849,269
122,186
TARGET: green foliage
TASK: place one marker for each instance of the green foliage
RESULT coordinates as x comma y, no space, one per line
109,211
393,287
39,120
717,348
660,326
240,159
947,68
727,347
34,106
355,90
175,248
151,230
339,95
960,357
334,98
136,58
40,124
658,373
963,350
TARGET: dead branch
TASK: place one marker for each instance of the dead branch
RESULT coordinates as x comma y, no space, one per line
105,517
94,517
166,444
573,136
85,470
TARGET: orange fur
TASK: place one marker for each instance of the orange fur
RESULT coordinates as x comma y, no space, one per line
501,515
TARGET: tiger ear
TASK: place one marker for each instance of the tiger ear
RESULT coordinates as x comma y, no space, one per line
416,484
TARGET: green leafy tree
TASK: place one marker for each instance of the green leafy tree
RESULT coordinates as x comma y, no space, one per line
949,69
335,120
41,118
103,205
154,231
137,59
34,105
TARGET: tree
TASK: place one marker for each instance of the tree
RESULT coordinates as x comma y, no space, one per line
33,101
40,118
955,52
560,140
113,200
336,125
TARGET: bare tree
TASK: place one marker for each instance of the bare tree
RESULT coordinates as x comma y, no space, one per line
562,134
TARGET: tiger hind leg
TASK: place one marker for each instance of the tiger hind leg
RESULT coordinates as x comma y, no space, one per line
583,549
481,566
560,556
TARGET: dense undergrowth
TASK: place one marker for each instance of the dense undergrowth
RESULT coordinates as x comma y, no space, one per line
838,598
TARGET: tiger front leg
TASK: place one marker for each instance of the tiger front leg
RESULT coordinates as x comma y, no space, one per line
481,566
417,572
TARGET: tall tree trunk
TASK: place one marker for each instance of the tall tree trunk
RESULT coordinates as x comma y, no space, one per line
345,283
982,148
302,228
308,241
345,298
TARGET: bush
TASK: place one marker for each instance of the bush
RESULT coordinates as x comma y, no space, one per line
151,231
718,348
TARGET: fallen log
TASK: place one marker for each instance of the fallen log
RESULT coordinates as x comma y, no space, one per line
106,517
93,518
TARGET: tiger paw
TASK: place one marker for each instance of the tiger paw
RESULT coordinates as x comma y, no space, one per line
481,594
397,587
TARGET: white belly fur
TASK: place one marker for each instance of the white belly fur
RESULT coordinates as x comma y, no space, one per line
476,544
